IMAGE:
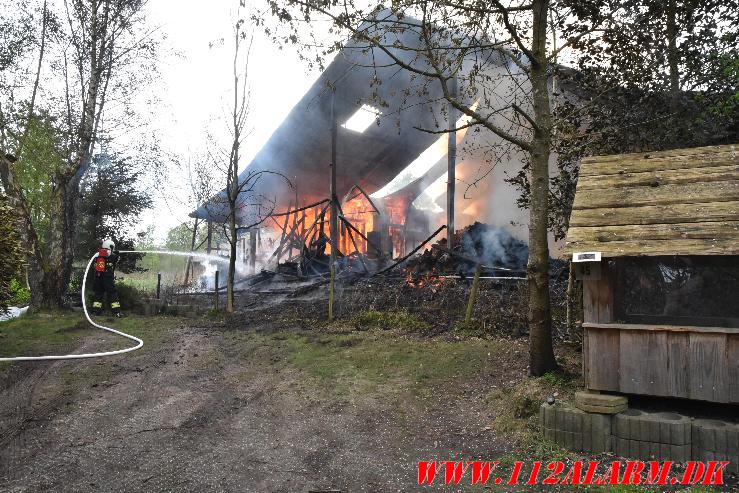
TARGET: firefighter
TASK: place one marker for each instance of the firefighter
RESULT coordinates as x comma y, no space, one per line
104,284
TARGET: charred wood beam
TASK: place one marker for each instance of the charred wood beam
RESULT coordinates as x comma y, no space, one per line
471,259
369,243
361,192
304,208
441,228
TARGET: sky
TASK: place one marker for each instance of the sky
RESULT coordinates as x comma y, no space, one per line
195,83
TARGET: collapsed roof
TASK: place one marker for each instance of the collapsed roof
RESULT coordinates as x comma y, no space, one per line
300,149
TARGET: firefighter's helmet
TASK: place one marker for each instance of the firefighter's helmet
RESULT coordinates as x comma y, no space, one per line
108,244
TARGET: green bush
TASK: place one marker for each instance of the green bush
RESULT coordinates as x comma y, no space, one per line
130,297
19,294
12,256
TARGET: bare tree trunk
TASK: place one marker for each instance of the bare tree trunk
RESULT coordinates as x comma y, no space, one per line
541,353
188,267
672,54
50,271
230,305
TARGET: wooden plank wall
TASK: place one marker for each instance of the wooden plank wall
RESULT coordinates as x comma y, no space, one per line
700,364
689,365
678,202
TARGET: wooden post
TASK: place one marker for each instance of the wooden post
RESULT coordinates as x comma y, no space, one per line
216,291
473,294
189,267
334,229
159,284
252,250
210,237
571,301
451,166
302,228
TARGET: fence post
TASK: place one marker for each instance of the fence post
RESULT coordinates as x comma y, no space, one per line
159,284
473,294
216,291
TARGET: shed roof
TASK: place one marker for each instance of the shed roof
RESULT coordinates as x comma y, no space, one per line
678,202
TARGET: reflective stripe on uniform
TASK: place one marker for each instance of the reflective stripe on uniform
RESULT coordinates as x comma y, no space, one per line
115,304
97,304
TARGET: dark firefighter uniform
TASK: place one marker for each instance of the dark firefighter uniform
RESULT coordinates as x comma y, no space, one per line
104,284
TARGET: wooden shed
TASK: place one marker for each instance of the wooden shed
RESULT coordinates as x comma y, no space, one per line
661,306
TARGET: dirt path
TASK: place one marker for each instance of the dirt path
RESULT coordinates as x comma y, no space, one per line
203,412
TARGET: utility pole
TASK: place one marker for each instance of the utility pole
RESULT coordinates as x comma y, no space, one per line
451,165
334,224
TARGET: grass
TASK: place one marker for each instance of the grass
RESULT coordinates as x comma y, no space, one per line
399,319
62,332
370,362
516,410
40,334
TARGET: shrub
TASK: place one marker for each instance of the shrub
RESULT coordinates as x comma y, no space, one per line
130,297
12,256
19,294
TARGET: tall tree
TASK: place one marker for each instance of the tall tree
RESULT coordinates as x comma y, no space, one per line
111,203
662,77
243,205
93,43
500,54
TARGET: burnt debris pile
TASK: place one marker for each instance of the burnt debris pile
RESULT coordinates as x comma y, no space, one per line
497,252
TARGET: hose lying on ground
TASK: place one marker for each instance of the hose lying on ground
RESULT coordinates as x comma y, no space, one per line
138,341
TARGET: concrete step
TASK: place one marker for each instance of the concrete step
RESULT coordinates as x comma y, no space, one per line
594,402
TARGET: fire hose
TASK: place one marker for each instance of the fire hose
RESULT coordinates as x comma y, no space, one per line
139,342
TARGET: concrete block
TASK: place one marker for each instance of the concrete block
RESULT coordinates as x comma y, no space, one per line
679,453
711,435
600,443
559,436
664,451
548,412
596,399
549,434
720,441
577,444
654,431
601,423
621,426
645,450
732,440
602,409
587,442
733,466
678,427
570,420
569,440
670,428
644,426
559,418
607,443
620,446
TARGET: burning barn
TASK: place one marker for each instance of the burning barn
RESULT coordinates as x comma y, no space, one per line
391,175
656,241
